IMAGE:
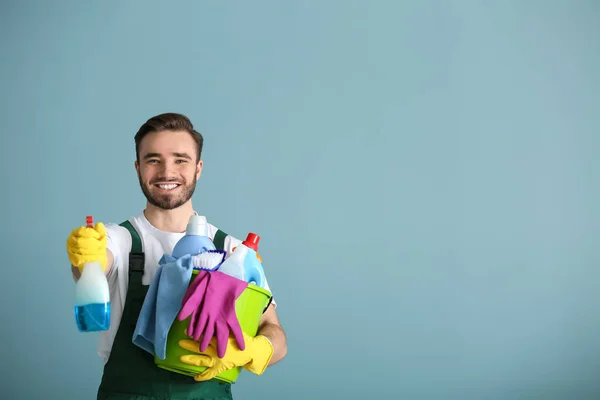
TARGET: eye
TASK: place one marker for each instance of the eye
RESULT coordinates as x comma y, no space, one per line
152,161
181,161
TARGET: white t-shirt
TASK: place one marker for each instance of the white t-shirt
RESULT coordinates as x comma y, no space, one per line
155,244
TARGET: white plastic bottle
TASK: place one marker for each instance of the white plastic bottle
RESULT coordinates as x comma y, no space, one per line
234,264
243,263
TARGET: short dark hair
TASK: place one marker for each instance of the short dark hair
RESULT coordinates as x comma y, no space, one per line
168,122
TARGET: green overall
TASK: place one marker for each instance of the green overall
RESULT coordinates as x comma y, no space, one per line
130,372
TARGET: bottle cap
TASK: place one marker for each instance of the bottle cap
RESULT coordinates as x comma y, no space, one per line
197,226
252,241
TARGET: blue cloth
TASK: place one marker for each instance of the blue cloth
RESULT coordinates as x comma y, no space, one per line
162,303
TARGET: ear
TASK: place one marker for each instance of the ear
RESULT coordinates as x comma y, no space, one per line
137,166
199,169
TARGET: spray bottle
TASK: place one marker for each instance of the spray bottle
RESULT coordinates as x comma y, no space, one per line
92,296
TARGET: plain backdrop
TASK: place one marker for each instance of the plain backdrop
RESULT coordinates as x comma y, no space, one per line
424,176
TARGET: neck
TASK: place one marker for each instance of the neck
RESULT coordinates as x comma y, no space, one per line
175,220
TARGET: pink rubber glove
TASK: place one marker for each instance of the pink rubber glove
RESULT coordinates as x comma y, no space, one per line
217,316
193,299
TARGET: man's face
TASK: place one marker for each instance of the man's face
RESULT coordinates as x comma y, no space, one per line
167,168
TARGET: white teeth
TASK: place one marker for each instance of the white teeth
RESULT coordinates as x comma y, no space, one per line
168,187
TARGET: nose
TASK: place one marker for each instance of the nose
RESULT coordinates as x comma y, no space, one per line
167,171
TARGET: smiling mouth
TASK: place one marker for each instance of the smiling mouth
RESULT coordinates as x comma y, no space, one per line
167,186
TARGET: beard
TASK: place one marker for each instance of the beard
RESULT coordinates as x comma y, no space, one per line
168,201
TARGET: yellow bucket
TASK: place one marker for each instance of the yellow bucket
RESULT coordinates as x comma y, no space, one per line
249,308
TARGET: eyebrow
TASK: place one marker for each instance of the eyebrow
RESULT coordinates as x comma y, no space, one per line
182,155
151,155
158,155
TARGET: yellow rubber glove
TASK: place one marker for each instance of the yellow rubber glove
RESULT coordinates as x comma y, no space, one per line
87,245
255,358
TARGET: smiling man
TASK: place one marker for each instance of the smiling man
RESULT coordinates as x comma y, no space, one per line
168,165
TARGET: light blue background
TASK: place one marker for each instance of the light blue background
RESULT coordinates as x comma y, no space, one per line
424,176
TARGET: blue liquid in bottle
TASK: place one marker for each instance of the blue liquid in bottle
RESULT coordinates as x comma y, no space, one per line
93,317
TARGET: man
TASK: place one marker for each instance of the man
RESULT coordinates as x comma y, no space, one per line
168,164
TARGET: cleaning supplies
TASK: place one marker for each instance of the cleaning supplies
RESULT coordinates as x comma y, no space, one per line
210,260
196,240
92,296
162,304
244,264
213,311
249,308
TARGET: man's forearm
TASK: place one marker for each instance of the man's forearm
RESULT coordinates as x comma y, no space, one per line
276,336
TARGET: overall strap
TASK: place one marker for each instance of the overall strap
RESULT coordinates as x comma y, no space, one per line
136,255
219,240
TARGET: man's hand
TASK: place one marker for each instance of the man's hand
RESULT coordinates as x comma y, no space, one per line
255,358
87,245
270,327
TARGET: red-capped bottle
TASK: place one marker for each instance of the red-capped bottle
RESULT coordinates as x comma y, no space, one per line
244,263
